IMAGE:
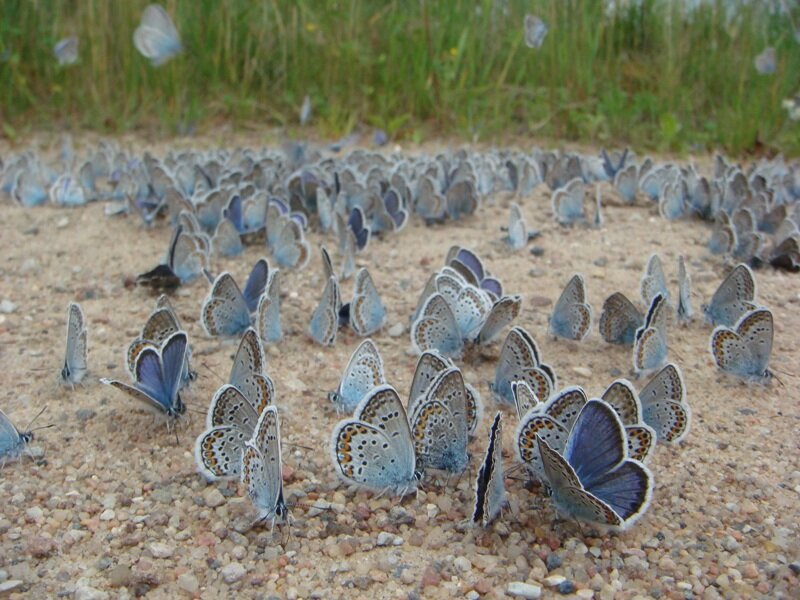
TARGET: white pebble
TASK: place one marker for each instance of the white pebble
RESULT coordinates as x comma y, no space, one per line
554,580
7,307
161,550
463,564
107,515
524,590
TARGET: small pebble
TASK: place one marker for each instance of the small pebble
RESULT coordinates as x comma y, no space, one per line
462,563
233,572
213,497
566,587
524,590
554,580
537,251
188,583
7,307
582,371
161,550
396,330
10,585
553,561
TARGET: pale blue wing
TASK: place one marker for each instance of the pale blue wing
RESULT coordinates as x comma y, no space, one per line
225,311
256,283
367,313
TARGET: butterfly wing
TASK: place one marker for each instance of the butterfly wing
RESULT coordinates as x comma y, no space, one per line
436,328
325,319
535,425
269,311
363,373
503,312
218,452
619,320
367,312
225,311
256,283
490,492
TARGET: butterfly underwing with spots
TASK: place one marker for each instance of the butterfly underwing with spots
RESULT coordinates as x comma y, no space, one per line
226,310
620,320
75,359
664,406
622,397
744,350
325,318
572,316
363,373
519,361
735,297
375,449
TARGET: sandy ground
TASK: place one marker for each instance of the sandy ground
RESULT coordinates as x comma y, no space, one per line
115,508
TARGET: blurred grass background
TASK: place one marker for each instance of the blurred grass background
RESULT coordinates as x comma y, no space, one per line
652,73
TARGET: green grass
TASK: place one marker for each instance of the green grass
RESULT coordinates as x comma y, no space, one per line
646,75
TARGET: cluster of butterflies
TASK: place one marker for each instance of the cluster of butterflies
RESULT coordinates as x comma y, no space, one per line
156,38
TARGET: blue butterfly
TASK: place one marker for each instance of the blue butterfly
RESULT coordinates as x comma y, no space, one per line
364,372
29,187
461,199
226,240
622,397
325,319
626,182
470,267
519,361
156,37
262,470
161,324
268,319
612,167
535,31
75,362
744,351
664,405
290,248
673,202
620,320
518,235
490,491
436,328
230,423
654,282
572,316
430,204
684,310
187,258
157,377
650,343
226,310
736,296
551,421
367,313
389,214
247,373
375,448
357,224
66,51
723,236
594,480
430,366
439,423
765,62
67,191
13,442
568,202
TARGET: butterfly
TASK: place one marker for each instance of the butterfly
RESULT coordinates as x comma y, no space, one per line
430,366
664,406
650,344
226,310
525,399
439,424
67,191
161,324
325,319
436,328
684,310
226,240
375,448
389,214
305,110
157,377
247,373
735,297
654,282
490,491
75,360
366,311
290,248
430,204
535,31
744,351
156,37
626,182
230,423
364,372
461,199
622,397
519,361
594,480
357,224
187,257
620,320
568,202
551,421
262,471
517,229
470,267
13,442
672,203
723,236
765,62
572,316
268,316
66,51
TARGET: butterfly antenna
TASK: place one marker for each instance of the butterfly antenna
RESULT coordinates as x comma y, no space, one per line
39,414
214,373
298,446
42,427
